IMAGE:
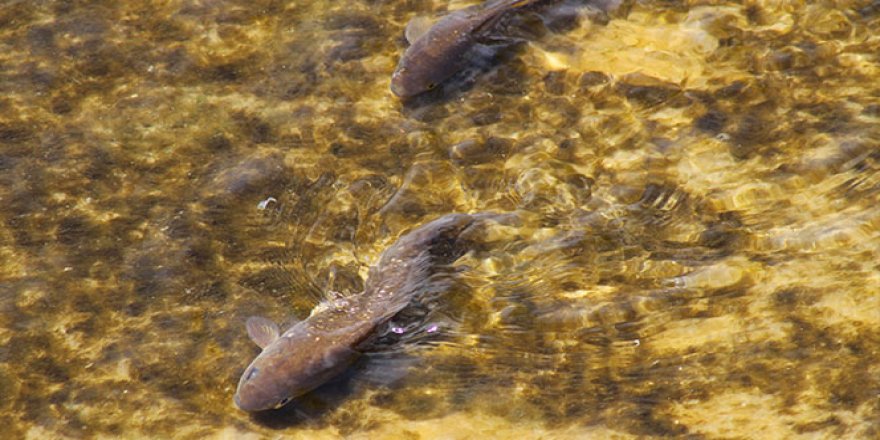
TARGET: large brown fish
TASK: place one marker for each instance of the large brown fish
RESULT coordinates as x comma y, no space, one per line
438,52
322,346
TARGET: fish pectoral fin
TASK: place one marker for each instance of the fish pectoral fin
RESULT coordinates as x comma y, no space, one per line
262,331
417,27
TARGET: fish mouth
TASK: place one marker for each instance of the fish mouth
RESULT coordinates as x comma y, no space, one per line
247,405
249,408
398,85
237,401
398,89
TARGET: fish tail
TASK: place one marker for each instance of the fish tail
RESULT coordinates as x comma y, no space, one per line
493,10
503,5
521,3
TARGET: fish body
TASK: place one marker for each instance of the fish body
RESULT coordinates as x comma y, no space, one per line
438,53
313,351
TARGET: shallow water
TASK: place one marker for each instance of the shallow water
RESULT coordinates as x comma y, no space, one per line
698,184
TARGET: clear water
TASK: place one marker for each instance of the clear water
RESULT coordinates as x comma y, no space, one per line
699,184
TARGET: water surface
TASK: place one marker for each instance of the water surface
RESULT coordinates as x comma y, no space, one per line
698,184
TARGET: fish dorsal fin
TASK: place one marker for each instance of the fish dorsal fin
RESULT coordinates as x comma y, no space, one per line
262,331
418,26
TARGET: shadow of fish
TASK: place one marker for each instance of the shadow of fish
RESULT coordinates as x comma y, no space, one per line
315,350
437,52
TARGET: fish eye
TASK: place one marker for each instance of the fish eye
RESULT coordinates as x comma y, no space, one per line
252,374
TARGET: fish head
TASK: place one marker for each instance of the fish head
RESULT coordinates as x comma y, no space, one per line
426,64
290,366
412,78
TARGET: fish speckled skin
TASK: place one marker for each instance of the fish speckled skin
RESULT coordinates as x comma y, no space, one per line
326,343
442,51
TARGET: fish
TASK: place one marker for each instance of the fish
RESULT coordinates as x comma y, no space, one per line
314,351
438,51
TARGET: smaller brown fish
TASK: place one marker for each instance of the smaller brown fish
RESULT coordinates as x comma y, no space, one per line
438,52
